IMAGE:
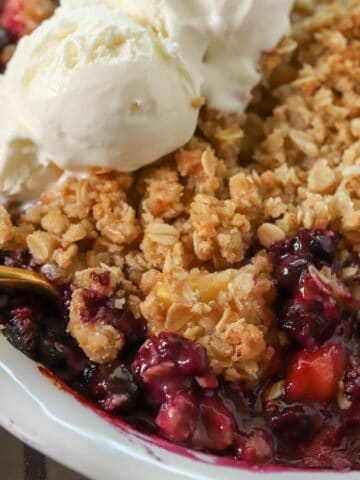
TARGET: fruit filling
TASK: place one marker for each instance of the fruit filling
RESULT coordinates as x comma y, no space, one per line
304,409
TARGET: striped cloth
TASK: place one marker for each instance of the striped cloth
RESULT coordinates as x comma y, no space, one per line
19,462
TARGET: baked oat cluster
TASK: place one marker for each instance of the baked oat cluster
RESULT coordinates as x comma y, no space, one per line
185,242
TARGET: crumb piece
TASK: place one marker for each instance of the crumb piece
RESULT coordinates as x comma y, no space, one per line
99,341
6,227
74,233
269,233
91,322
321,178
42,245
54,221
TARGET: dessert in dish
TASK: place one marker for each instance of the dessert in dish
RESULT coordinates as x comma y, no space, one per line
212,296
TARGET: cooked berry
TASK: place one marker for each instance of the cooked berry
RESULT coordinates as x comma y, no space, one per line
178,416
292,423
18,259
255,448
292,257
198,418
352,380
124,321
101,278
113,387
288,271
352,390
60,353
314,246
168,364
312,315
22,330
322,451
188,358
215,428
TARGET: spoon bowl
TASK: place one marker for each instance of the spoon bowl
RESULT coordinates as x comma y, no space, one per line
11,277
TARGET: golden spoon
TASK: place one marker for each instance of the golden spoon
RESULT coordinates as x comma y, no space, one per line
21,278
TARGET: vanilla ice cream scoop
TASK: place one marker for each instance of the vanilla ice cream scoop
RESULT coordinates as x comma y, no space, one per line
220,41
95,88
22,174
250,28
116,83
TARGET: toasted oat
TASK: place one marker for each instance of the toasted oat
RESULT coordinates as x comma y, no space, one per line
42,245
6,227
269,233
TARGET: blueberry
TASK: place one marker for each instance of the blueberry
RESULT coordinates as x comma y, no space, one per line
113,387
22,330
